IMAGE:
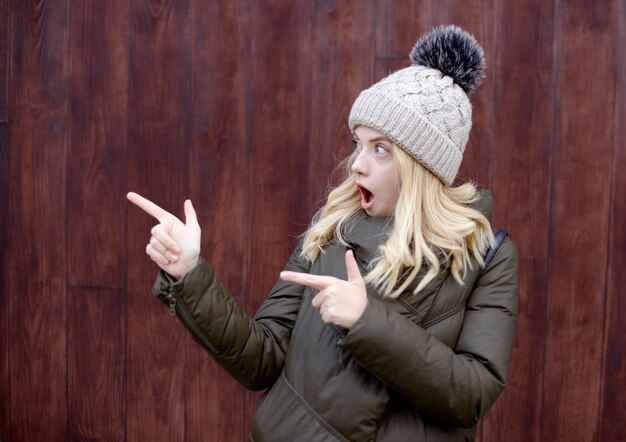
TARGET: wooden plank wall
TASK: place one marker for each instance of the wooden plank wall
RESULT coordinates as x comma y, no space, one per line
242,106
36,275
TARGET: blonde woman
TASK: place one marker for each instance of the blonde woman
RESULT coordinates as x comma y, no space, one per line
394,317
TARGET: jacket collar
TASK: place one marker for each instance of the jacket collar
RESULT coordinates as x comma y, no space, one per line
365,234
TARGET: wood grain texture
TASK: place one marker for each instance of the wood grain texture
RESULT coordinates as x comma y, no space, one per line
613,402
38,266
397,28
218,184
4,218
96,365
278,137
4,60
5,238
342,55
396,31
521,186
579,234
278,140
159,94
98,139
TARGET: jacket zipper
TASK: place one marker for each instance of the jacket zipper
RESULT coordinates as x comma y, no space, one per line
177,307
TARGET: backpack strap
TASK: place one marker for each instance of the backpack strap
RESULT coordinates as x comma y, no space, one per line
491,251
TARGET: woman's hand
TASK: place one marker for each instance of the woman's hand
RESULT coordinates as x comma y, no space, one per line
174,245
339,302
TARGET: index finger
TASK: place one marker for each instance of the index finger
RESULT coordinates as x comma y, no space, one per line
148,206
316,281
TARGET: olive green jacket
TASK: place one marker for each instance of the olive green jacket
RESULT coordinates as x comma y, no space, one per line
422,367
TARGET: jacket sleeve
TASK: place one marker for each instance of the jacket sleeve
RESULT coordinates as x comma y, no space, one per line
251,350
456,386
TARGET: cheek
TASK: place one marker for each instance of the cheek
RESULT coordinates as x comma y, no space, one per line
394,178
389,191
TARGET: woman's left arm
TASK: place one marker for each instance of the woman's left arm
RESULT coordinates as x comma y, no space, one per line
456,386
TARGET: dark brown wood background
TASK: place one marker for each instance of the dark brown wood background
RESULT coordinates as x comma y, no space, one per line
242,106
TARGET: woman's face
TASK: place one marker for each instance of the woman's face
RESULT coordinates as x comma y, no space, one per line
376,172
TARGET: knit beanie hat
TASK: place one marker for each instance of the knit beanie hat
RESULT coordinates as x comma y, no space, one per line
425,109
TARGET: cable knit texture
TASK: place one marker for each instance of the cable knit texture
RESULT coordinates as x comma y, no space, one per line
424,112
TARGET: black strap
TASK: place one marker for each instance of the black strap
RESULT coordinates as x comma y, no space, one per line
500,237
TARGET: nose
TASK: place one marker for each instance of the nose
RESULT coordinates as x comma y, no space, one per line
360,166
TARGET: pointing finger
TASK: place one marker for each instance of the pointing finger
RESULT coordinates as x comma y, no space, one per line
316,281
148,206
354,274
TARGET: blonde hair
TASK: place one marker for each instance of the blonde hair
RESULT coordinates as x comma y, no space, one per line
432,226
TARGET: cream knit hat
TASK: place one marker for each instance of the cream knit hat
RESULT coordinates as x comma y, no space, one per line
425,108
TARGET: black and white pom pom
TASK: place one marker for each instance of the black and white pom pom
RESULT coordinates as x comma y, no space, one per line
454,52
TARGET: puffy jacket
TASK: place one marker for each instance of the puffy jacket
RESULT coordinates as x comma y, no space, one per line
422,367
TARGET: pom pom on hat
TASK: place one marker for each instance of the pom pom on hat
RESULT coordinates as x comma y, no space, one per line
454,53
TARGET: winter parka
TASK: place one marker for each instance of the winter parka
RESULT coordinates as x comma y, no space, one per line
422,367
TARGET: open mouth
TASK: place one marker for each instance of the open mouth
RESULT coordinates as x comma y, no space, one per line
367,198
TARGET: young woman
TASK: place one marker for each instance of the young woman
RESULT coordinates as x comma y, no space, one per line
386,323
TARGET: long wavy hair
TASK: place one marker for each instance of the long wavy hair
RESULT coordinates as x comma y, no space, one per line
432,226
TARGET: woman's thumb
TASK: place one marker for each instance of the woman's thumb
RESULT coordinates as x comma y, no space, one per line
352,268
190,214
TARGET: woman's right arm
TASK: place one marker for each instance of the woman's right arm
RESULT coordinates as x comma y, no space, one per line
251,350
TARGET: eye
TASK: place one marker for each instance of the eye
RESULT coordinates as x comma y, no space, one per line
381,150
357,145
